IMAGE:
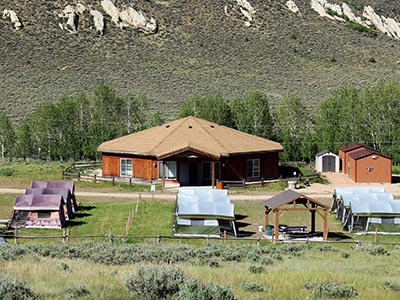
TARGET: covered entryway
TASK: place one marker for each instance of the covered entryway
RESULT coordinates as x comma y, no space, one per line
293,201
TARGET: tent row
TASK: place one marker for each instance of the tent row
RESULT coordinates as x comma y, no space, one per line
366,208
203,212
46,204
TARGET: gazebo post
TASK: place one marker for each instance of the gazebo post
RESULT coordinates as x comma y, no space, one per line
325,236
312,221
276,225
266,217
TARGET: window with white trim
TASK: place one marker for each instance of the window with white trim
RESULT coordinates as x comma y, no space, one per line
170,169
253,168
126,167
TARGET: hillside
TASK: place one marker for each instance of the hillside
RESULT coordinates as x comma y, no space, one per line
198,49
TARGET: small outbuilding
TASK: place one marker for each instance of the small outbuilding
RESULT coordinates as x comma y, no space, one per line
327,161
293,201
365,164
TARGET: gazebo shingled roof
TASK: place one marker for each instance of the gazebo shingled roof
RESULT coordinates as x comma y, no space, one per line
287,201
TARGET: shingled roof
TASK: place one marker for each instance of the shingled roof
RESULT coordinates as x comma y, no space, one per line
189,134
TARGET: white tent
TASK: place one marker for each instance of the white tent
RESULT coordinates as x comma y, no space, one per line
202,211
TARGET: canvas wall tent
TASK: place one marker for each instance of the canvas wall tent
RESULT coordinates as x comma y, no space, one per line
339,191
38,211
203,212
326,161
363,208
344,209
374,214
65,193
62,184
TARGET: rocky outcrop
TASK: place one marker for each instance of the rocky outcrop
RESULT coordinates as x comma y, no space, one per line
110,9
70,14
136,19
247,10
292,6
98,20
386,25
383,24
7,13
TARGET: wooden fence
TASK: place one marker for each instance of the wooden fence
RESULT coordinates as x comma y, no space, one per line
67,236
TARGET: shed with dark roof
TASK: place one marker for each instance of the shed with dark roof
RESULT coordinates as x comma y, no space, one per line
290,200
365,164
191,151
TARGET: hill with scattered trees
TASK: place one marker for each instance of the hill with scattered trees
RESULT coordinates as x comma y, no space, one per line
200,48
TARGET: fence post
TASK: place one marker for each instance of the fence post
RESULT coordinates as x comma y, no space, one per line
224,236
79,176
111,235
130,181
258,241
262,181
376,235
95,176
16,235
113,180
159,239
68,234
64,235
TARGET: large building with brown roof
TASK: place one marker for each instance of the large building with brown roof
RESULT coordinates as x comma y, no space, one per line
191,151
365,164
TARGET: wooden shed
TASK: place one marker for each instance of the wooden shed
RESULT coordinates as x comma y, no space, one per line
327,161
365,164
191,151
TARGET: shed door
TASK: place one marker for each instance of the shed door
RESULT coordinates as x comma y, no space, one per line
328,163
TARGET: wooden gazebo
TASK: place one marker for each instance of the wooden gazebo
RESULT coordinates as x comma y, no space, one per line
293,201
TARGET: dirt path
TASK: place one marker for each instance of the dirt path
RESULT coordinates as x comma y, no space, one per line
316,190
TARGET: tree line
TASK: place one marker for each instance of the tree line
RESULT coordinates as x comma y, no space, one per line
73,128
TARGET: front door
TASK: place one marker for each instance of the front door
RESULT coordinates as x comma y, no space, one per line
193,174
328,163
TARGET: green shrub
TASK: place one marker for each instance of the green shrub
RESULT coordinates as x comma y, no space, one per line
361,28
13,289
155,282
330,289
266,261
345,254
77,292
193,289
391,285
252,287
7,172
379,251
256,269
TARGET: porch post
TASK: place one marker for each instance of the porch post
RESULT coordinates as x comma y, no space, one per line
212,173
163,175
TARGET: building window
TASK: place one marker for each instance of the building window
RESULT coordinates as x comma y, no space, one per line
170,169
126,167
207,170
253,168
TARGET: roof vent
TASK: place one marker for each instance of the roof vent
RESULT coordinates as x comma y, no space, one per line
190,127
167,126
212,126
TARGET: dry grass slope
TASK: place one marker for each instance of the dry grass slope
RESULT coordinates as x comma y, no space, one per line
198,50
